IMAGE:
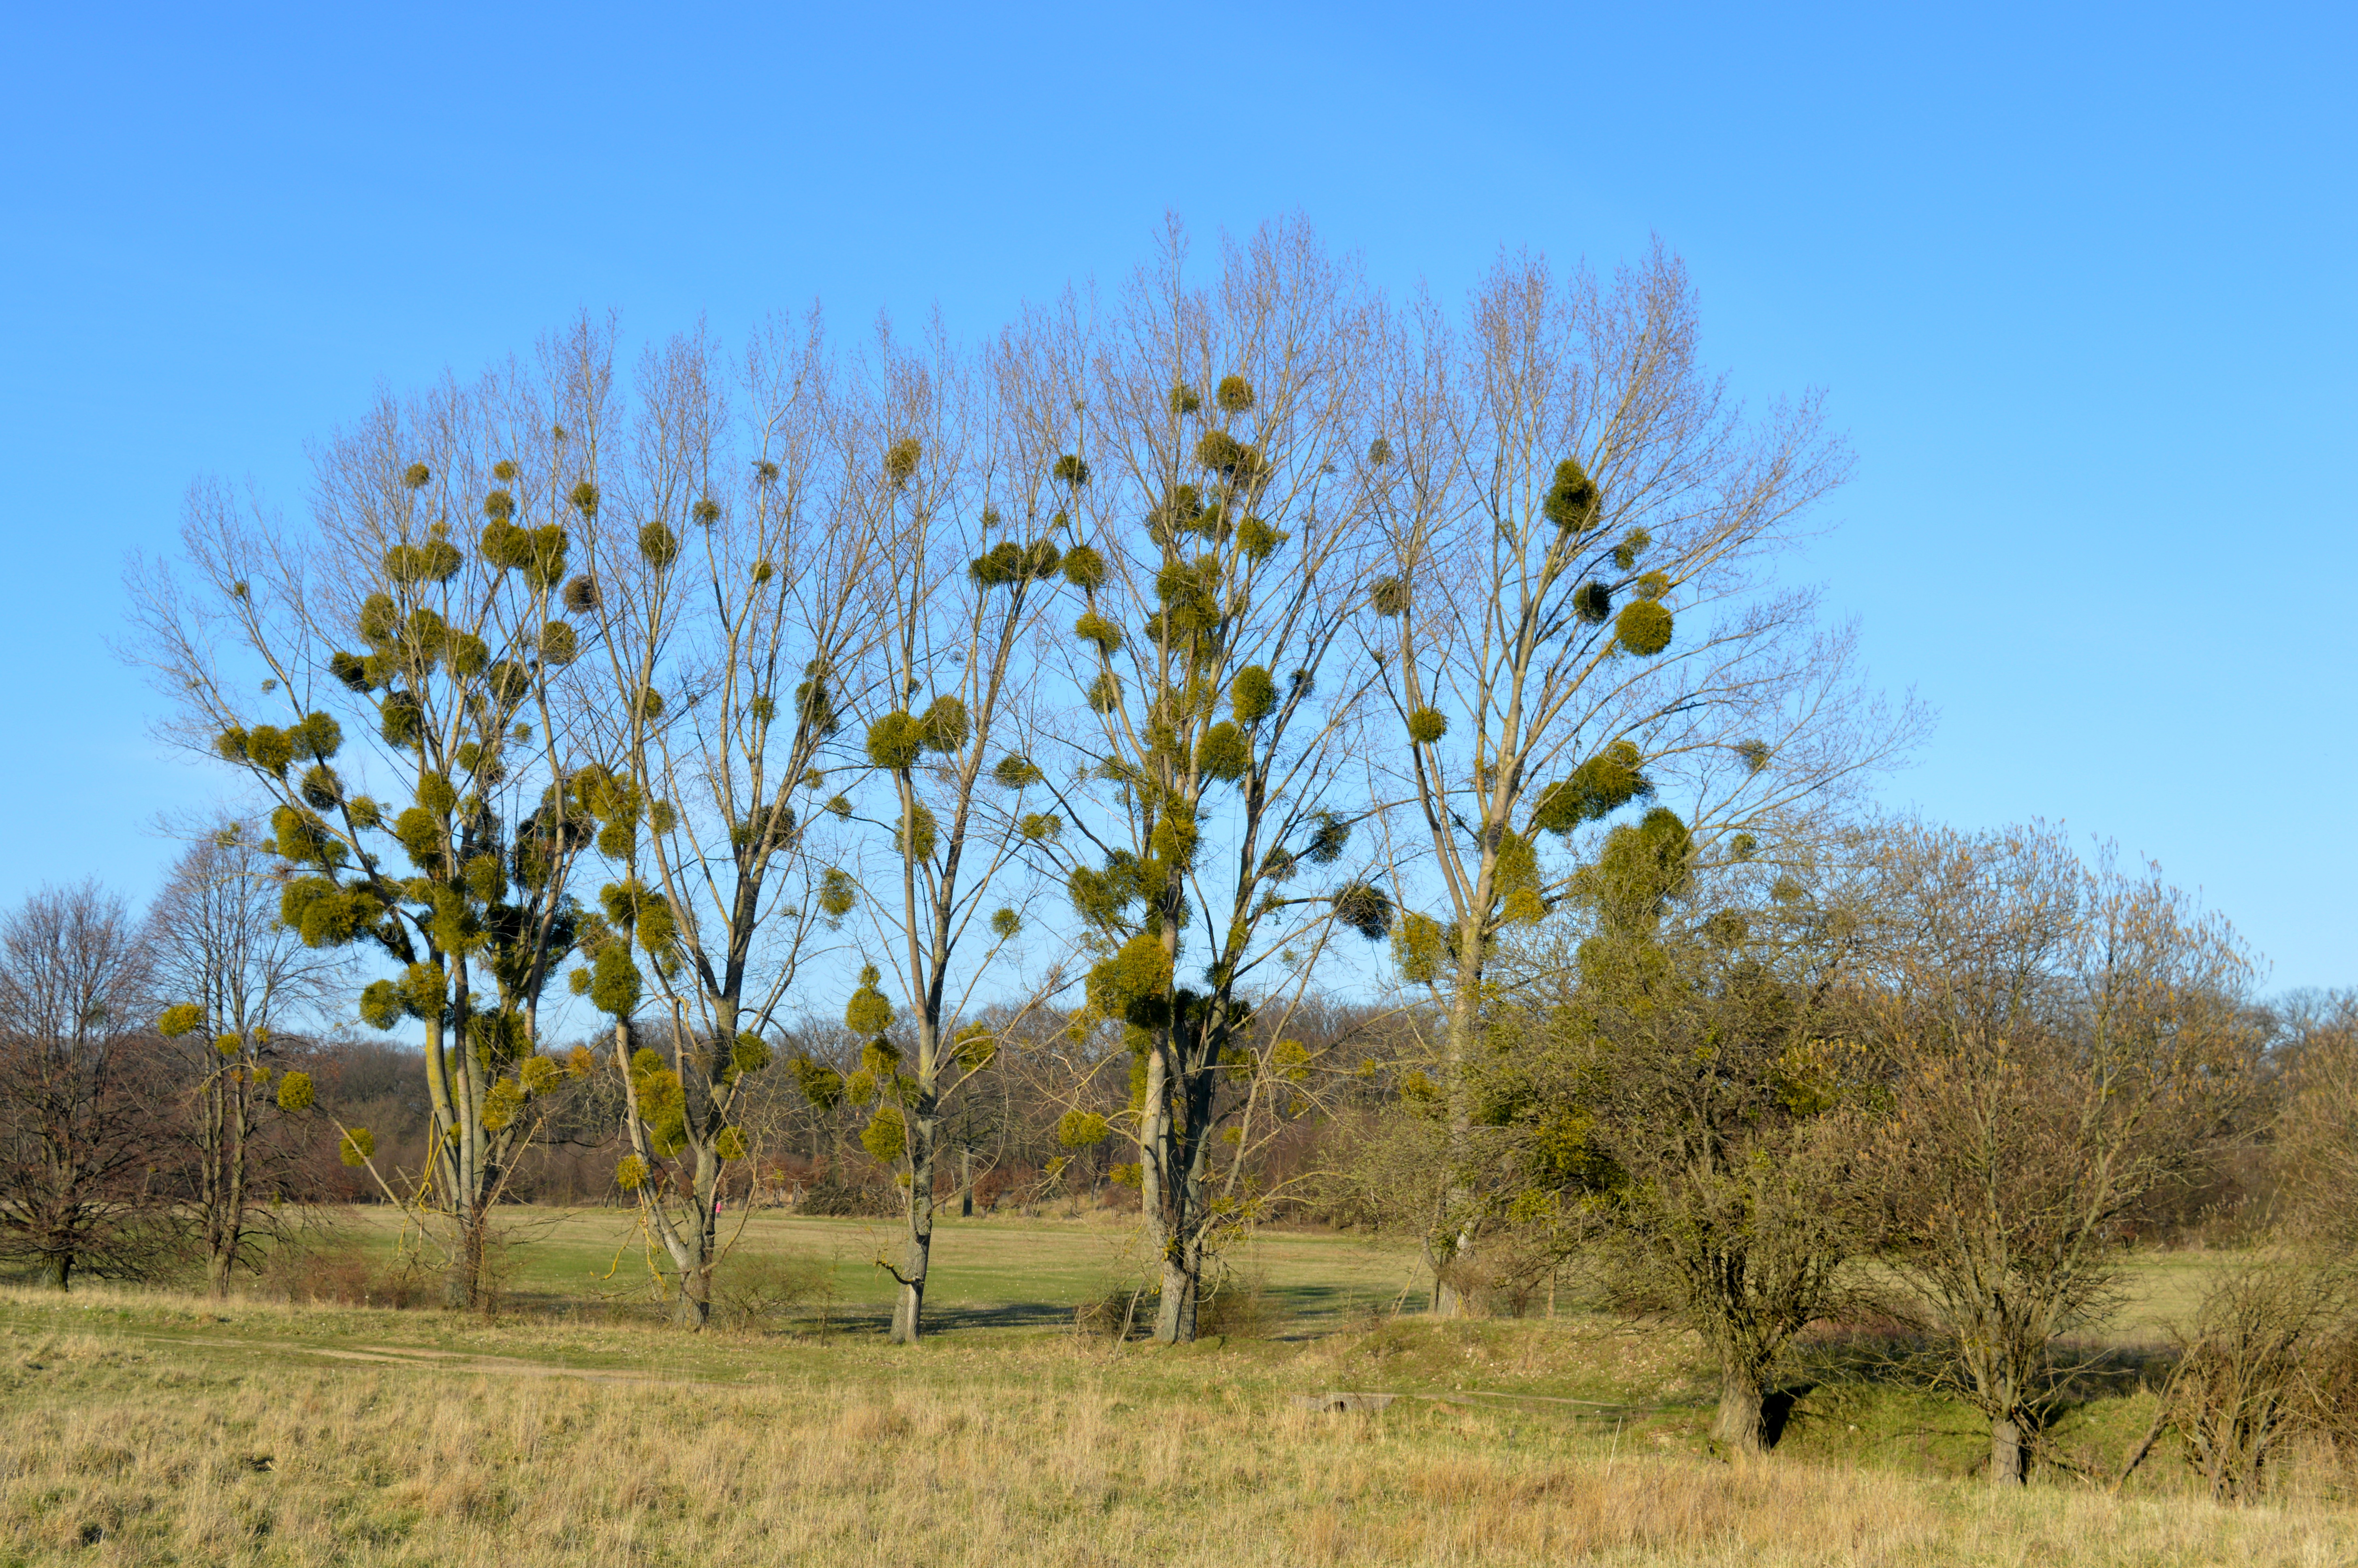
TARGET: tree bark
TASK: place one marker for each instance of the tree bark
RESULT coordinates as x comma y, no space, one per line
2010,1457
966,1182
1182,1274
908,1309
1743,1397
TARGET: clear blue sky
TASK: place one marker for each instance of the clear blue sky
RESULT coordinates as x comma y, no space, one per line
2078,283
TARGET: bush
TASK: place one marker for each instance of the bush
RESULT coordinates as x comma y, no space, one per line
338,1270
767,1290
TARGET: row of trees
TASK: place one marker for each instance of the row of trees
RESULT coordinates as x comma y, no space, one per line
1116,672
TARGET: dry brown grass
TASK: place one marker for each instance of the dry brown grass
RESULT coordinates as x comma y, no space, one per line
116,1450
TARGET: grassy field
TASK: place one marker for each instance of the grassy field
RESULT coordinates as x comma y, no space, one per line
573,1427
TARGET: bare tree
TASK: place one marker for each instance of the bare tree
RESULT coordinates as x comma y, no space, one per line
84,1112
2063,1042
1210,800
969,504
426,604
1581,521
727,590
235,977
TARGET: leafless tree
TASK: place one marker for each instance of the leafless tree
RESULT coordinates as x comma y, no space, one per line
234,978
1220,545
84,1100
2063,1040
1581,521
436,822
969,504
727,573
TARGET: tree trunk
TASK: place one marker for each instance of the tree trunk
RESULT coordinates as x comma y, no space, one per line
218,1259
1450,1298
908,1310
59,1267
1742,1399
1182,1274
2009,1458
462,1282
966,1182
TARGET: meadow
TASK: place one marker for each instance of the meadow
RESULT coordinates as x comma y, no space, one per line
572,1425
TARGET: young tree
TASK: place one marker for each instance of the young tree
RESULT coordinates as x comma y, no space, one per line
422,617
2062,1042
729,569
84,1102
1580,521
236,978
1221,560
968,509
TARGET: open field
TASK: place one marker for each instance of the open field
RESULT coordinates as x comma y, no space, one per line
573,1428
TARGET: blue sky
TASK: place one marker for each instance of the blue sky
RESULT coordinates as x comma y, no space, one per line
2078,284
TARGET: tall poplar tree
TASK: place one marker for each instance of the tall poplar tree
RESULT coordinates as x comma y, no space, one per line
392,680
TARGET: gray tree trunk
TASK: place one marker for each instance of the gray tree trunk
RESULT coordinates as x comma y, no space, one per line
1743,1397
2009,1455
908,1309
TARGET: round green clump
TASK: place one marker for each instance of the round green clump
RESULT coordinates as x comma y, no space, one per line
1096,629
357,1147
1041,827
295,1093
581,594
1593,602
901,459
1080,1128
1571,499
584,497
885,1138
417,476
749,1054
183,1017
504,471
1253,696
1223,753
1379,452
1427,725
1256,541
270,748
1643,627
1070,470
630,1172
730,1144
1653,585
1234,395
1084,567
1041,558
1389,596
499,506
946,725
231,743
706,511
658,545
349,669
1105,693
868,1012
559,644
1183,399
997,567
895,742
1016,772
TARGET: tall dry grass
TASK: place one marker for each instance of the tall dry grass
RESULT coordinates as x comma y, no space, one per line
113,1451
